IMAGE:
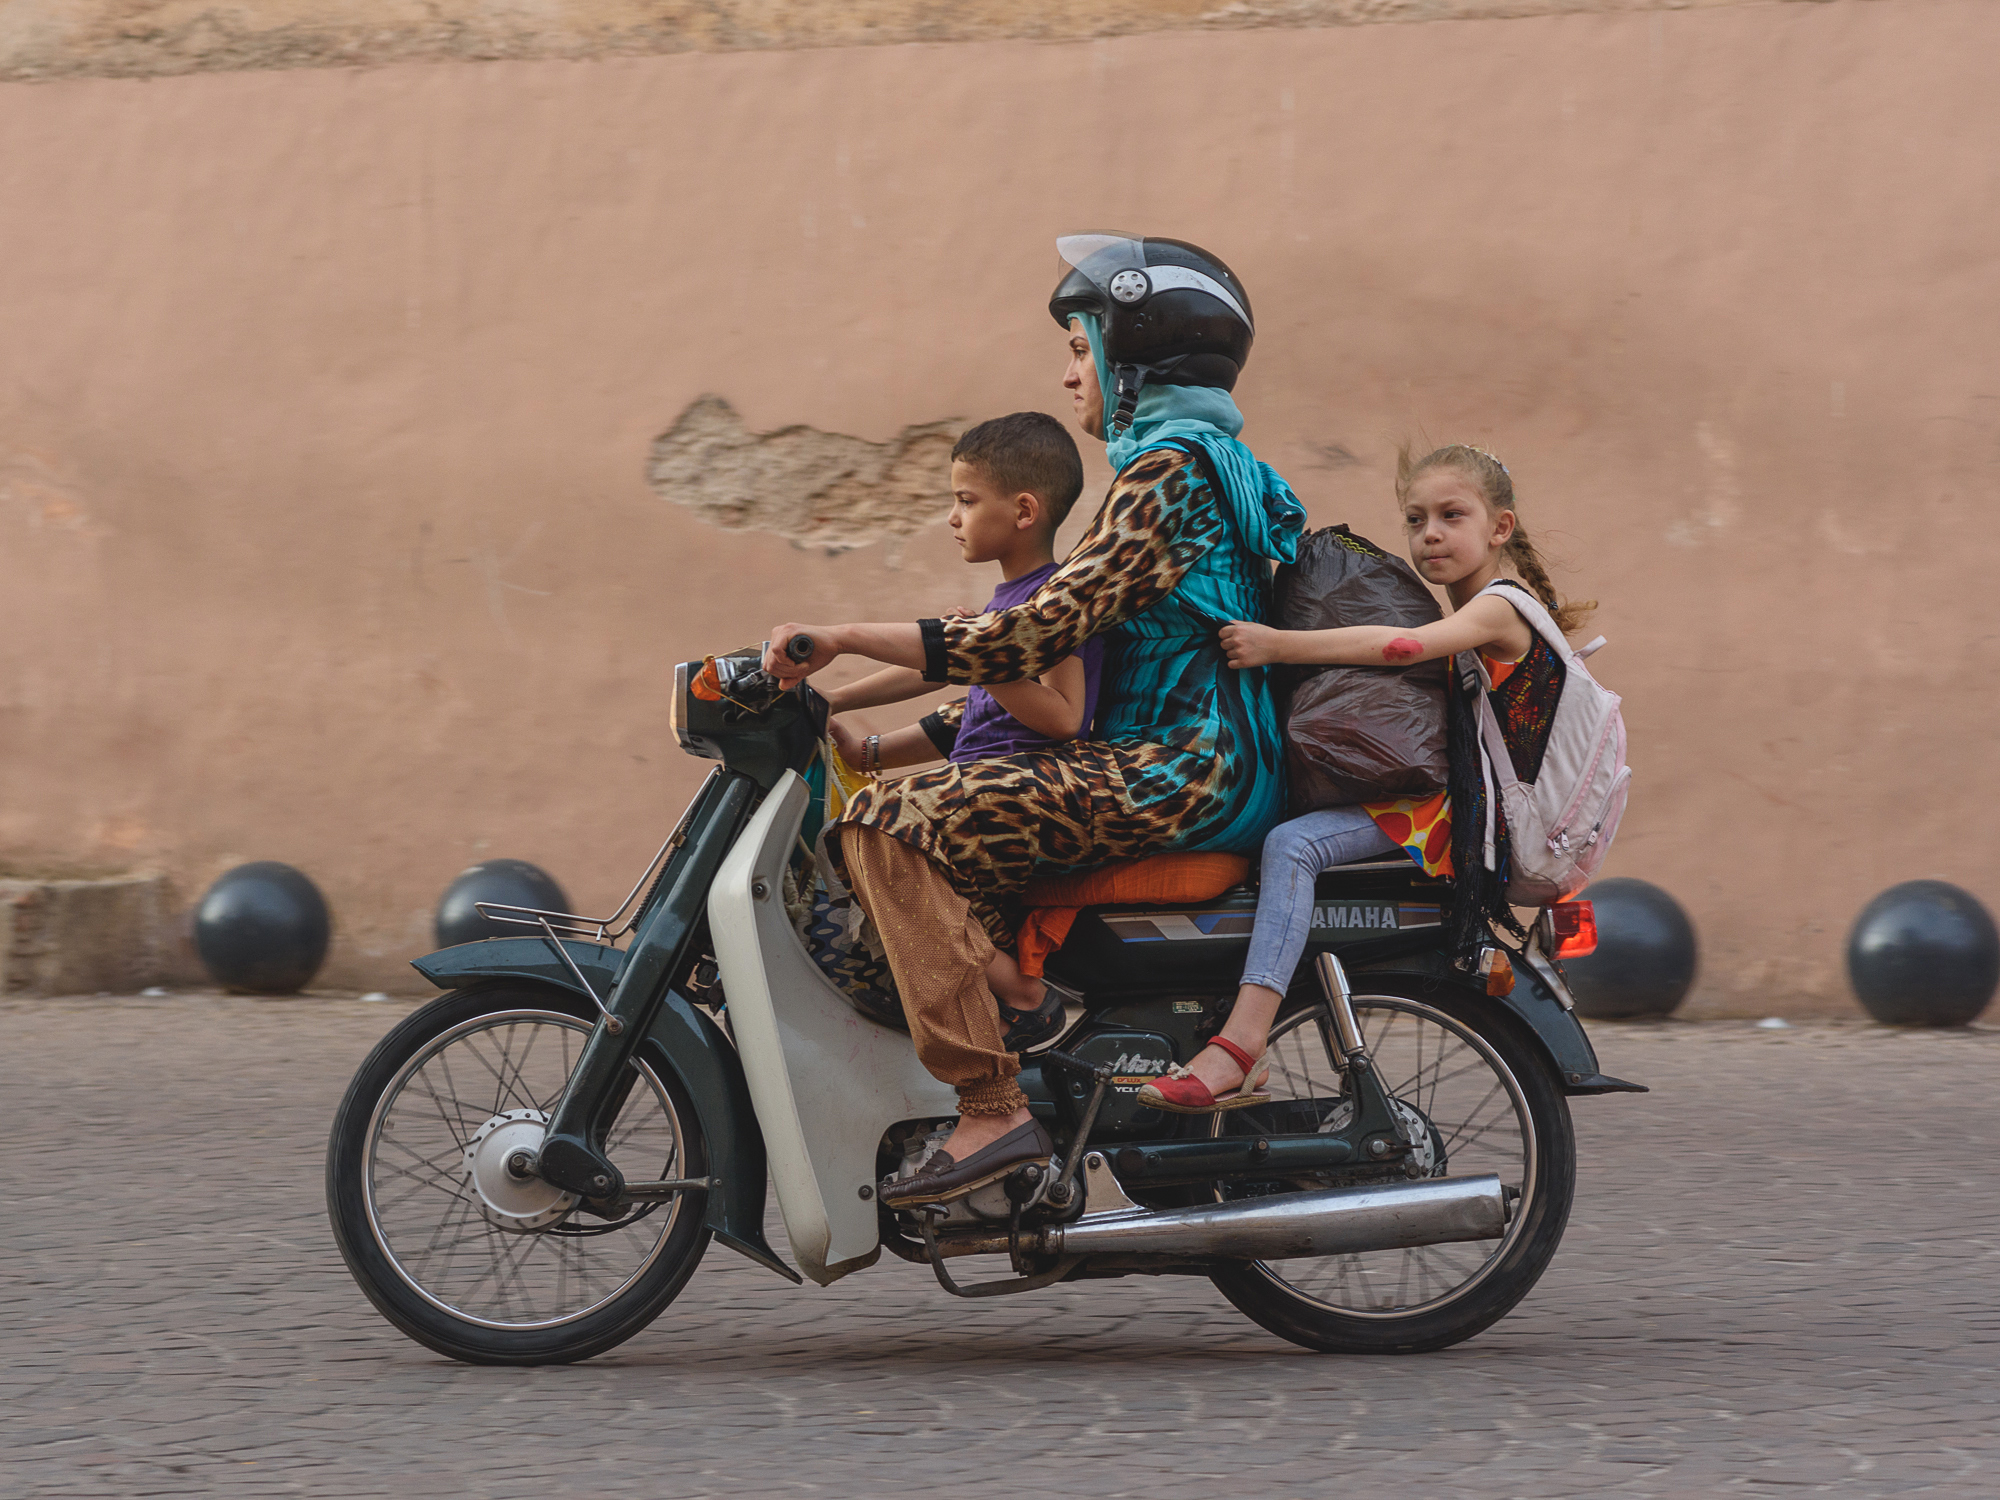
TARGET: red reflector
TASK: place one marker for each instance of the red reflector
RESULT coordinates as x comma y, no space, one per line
1575,928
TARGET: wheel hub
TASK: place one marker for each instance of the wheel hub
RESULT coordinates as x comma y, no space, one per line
495,1157
1423,1156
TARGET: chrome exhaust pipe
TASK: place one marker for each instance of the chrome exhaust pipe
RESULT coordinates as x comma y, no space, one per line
1332,1221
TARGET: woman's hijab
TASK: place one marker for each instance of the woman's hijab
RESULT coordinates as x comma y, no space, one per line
1267,514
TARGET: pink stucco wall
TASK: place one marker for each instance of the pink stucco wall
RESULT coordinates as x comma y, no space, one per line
326,399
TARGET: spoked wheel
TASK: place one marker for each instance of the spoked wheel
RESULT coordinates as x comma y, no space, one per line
453,1240
1477,1100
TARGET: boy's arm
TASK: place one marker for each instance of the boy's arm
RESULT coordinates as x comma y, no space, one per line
890,685
1052,707
909,746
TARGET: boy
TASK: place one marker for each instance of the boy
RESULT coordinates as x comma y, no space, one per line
1013,481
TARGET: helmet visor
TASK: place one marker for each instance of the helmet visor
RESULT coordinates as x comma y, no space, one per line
1102,256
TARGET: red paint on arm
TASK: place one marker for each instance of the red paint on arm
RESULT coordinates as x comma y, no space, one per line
1403,648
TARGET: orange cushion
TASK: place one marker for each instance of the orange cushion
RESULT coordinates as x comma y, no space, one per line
1158,880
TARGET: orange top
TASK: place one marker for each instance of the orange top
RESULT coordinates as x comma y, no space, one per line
1422,825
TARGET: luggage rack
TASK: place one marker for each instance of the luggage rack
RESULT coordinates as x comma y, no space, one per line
556,925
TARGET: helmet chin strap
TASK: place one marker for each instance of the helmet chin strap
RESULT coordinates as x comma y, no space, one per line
1129,378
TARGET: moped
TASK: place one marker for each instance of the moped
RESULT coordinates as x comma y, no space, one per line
529,1168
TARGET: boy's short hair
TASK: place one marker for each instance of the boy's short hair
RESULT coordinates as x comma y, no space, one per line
1030,451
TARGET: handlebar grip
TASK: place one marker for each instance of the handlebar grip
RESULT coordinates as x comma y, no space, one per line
800,647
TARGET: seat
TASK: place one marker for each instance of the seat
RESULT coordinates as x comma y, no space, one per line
1158,880
1199,943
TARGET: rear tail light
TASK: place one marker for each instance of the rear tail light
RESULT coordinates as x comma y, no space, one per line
1573,926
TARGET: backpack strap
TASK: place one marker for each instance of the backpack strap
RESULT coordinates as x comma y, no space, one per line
1536,614
1494,761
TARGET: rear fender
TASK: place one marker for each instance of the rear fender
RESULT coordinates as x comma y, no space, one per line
1538,1003
682,1040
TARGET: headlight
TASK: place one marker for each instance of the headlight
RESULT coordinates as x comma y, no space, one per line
677,711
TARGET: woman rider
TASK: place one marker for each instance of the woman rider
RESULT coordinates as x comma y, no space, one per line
1187,753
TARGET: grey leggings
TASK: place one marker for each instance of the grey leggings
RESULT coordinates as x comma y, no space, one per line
1294,854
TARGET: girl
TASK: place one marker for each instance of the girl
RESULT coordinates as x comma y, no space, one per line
1459,511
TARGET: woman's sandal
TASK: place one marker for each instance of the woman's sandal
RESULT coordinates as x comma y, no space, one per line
1181,1093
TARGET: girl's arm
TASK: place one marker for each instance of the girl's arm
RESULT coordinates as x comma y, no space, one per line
890,685
908,746
1052,707
1486,621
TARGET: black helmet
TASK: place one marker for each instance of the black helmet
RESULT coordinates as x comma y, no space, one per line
1170,312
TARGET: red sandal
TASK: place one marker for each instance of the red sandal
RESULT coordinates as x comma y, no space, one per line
1181,1093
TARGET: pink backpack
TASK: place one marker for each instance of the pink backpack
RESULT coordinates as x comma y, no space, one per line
1561,824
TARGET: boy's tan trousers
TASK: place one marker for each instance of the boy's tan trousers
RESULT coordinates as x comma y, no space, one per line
938,952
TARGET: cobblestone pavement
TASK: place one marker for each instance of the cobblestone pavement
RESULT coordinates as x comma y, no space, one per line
1781,1277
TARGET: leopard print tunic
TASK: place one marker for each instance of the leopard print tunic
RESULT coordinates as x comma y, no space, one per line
1179,738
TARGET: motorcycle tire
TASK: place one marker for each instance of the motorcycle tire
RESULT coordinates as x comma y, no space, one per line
384,1190
1275,1295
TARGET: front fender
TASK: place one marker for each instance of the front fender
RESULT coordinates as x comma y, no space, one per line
521,958
682,1040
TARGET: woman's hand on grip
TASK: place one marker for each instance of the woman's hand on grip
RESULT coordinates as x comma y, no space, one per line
787,671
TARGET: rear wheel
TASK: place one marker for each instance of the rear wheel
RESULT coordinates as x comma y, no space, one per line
458,1246
1479,1099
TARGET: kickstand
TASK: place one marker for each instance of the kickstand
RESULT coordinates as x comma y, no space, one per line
986,1288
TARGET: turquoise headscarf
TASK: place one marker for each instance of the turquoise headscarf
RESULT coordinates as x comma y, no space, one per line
1268,515
1166,682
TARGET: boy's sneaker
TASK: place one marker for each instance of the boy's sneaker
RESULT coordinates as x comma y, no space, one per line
1030,1029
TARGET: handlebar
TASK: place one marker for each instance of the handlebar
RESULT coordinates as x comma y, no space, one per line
800,647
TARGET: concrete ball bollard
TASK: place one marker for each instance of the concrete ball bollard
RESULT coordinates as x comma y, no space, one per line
1924,953
263,929
1646,953
510,882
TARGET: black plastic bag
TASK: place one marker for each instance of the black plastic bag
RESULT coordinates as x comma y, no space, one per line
1359,734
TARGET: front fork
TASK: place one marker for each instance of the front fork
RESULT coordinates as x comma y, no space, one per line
1376,1130
572,1155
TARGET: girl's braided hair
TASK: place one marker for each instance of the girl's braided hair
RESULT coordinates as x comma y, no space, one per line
1496,487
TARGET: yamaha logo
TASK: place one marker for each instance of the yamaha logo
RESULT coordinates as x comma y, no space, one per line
1129,286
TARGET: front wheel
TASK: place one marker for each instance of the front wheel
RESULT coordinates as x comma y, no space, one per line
452,1241
1474,1094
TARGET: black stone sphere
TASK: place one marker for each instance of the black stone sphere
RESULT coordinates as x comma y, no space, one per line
513,882
262,928
1923,953
1645,959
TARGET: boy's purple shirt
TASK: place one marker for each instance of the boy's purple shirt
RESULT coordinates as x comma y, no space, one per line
986,729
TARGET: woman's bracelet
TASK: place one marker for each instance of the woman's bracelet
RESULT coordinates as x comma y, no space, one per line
871,754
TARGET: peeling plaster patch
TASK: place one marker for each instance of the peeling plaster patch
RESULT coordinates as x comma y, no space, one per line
146,38
816,489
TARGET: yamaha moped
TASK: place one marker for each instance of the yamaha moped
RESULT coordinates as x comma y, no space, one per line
529,1168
